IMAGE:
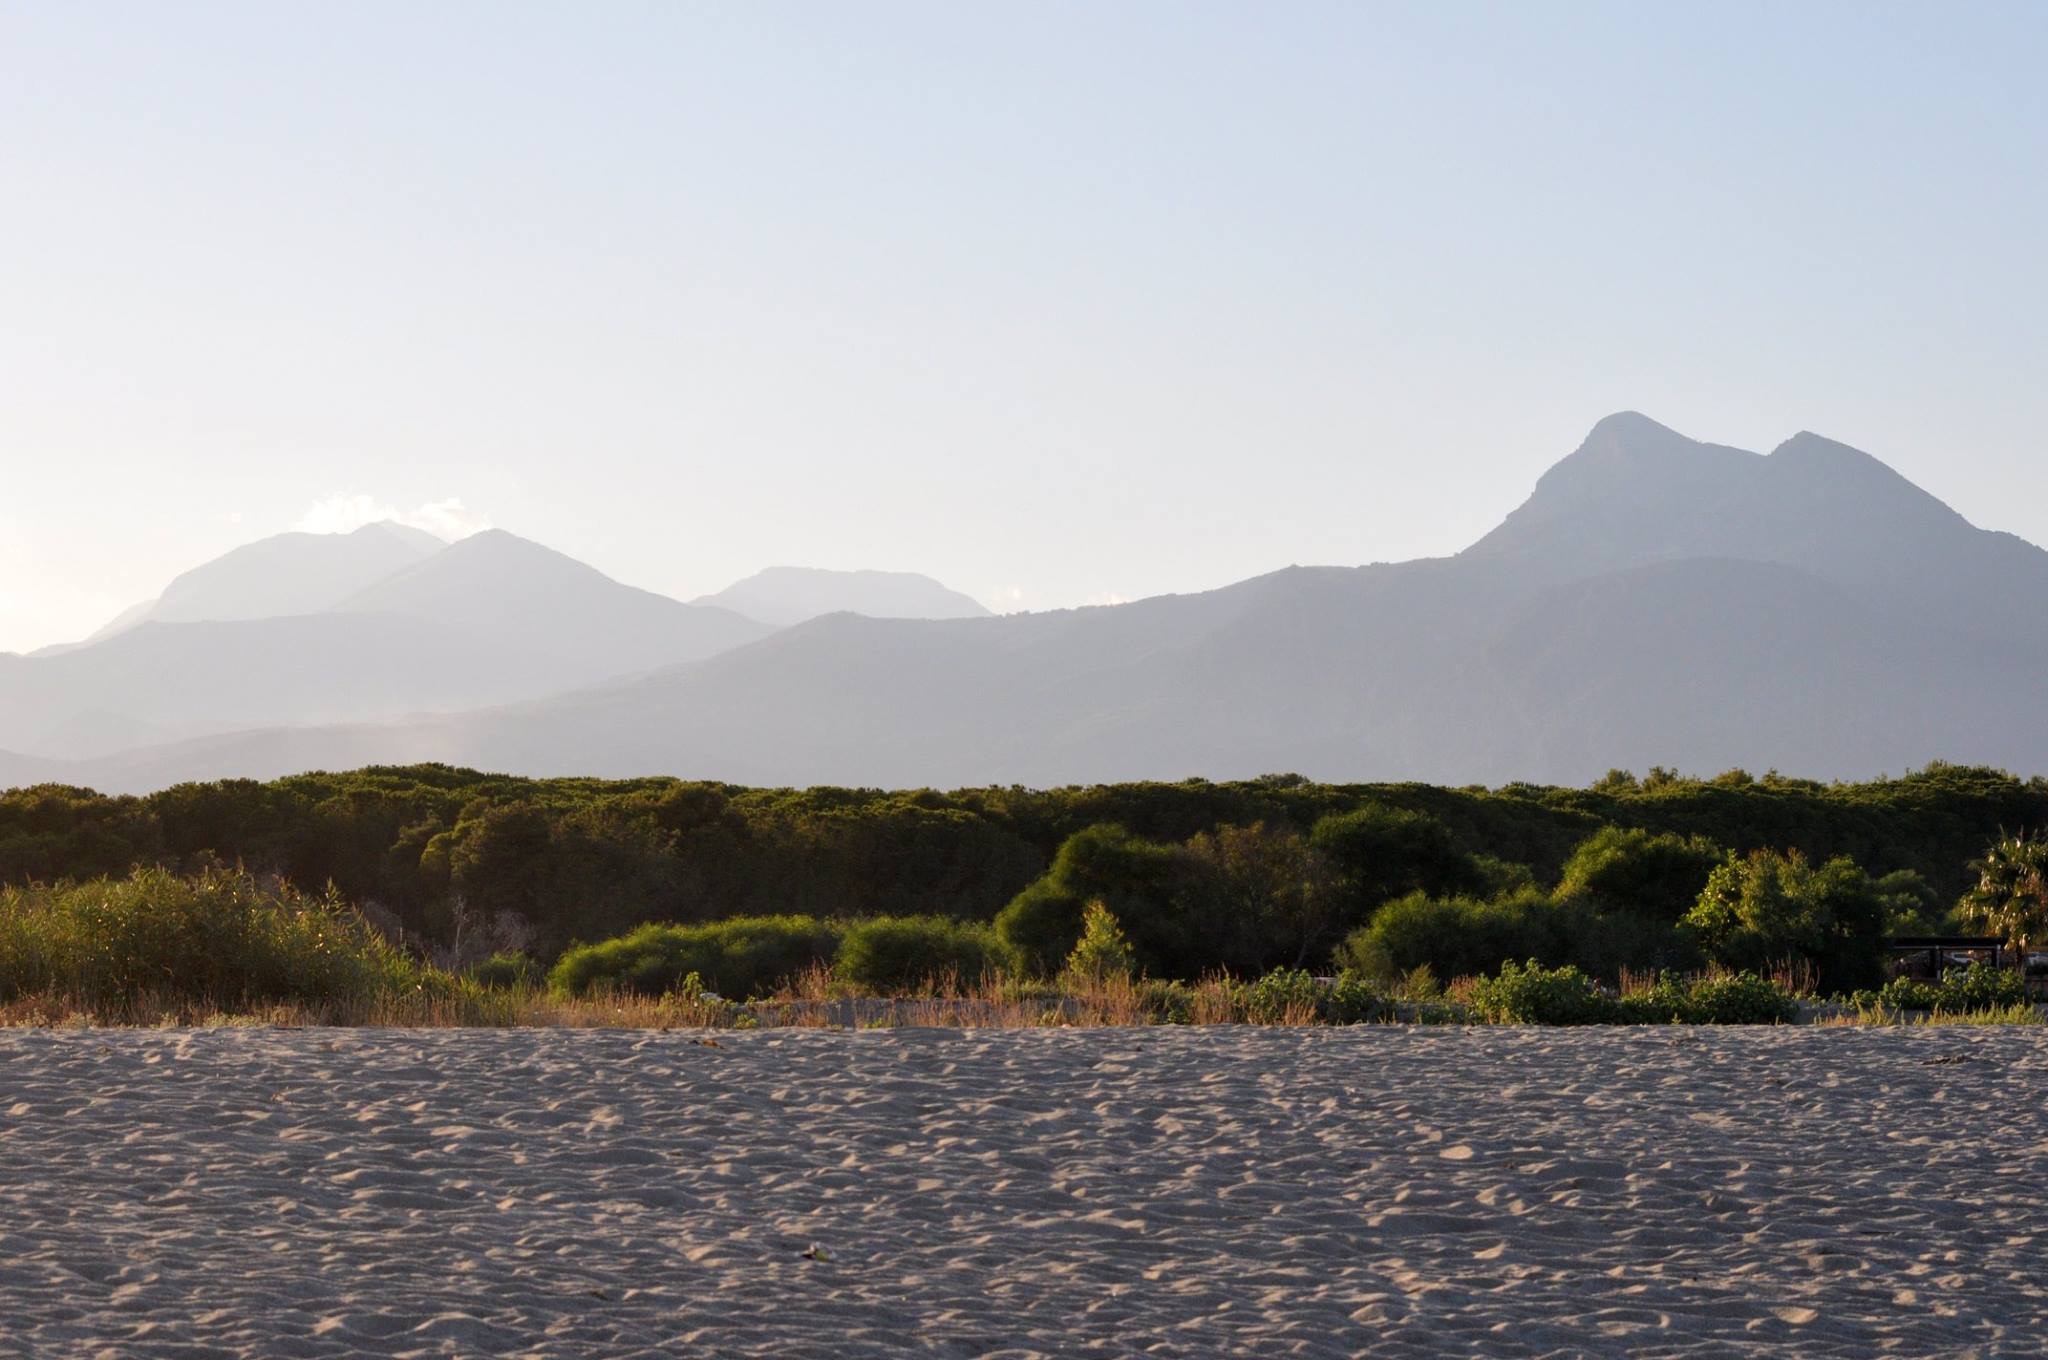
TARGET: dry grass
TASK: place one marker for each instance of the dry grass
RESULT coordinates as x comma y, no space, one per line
2025,1013
817,1000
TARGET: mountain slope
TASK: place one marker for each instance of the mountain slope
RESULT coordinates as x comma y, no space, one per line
163,681
497,585
487,621
787,595
282,575
1636,493
1656,601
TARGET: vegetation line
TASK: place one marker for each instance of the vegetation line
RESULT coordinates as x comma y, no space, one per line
449,896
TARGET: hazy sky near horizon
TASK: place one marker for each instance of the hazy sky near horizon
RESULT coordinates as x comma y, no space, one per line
1058,302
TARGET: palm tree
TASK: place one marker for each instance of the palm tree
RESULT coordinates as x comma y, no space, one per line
2011,896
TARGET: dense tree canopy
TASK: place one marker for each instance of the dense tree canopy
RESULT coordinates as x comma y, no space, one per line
1255,873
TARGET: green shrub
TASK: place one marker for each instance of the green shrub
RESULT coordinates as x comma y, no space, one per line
1529,994
223,939
506,972
1961,991
1667,1001
1765,909
1455,936
1142,883
743,957
1740,999
1353,1001
1293,994
1899,994
1167,1002
1102,951
1284,993
1380,853
1610,943
1627,870
896,954
1981,988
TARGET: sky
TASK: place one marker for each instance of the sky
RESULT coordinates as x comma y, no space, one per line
1058,302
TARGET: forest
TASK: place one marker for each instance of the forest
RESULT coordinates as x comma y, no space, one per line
1633,873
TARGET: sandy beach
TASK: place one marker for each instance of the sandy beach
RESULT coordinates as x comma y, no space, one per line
1666,1192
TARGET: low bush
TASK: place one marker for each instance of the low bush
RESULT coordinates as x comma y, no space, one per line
1166,1002
1961,991
221,940
1353,1001
743,957
1454,936
1741,999
1981,988
1293,996
1722,999
1899,994
892,955
506,971
1529,994
1285,995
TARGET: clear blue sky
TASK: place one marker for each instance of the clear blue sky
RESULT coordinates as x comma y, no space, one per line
1057,302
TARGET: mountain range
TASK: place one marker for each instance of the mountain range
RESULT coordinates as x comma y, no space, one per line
1656,600
305,629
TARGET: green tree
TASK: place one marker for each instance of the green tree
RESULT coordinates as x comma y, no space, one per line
1626,869
1766,909
1267,895
1378,853
2010,897
1142,882
1102,951
1456,936
1911,905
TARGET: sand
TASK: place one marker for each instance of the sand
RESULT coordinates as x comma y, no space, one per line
1659,1192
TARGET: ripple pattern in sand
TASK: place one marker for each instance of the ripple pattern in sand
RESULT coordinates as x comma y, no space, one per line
1641,1193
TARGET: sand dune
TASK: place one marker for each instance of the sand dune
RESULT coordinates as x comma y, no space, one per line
1215,1192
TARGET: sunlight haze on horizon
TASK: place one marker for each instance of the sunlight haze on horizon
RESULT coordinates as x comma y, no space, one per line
1057,303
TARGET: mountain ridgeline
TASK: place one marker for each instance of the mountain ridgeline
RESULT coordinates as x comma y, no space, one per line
300,630
1657,601
786,595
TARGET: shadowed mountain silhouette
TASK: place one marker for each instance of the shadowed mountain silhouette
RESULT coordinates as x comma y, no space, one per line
1636,493
786,595
1656,601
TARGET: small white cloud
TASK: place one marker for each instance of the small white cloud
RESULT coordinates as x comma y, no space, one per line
1007,599
1108,597
448,519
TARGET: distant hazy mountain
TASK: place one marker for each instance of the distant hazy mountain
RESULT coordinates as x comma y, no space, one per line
486,621
786,595
1656,601
286,574
1636,493
510,589
162,681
